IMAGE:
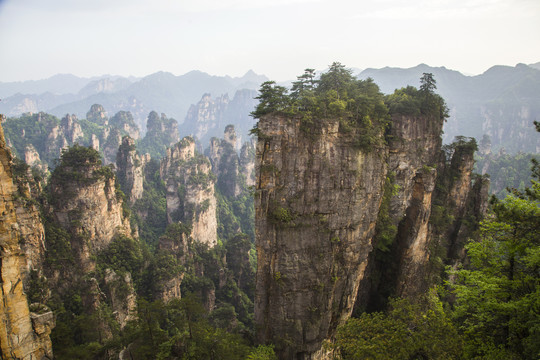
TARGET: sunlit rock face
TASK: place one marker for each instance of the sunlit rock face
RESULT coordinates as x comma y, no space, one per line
190,193
23,335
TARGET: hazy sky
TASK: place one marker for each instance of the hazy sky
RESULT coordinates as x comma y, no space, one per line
278,38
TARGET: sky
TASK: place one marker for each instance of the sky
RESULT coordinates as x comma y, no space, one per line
278,38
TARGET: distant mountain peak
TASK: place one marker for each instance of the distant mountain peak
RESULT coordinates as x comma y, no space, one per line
250,73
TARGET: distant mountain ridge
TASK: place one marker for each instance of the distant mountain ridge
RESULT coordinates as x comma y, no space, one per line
502,102
161,91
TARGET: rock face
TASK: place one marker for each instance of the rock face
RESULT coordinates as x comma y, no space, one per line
71,128
130,169
29,219
123,120
190,191
414,154
247,162
31,157
225,162
85,203
21,336
316,207
322,207
207,115
176,246
97,115
206,118
464,196
162,133
124,306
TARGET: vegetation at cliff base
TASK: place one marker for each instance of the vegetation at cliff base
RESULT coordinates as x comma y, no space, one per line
488,306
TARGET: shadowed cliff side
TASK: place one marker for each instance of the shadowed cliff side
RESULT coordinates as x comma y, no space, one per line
316,207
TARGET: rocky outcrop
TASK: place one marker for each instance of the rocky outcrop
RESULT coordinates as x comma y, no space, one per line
86,204
122,297
415,146
190,194
29,219
130,169
247,162
175,244
225,163
71,128
32,158
97,115
162,133
21,337
460,200
206,117
123,120
316,207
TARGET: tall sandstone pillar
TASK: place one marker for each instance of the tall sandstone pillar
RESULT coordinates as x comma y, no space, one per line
22,335
317,199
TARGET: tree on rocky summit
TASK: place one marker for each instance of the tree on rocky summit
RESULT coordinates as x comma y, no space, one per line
427,83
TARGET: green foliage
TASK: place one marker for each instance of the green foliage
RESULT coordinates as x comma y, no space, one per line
263,352
466,144
497,296
31,129
409,330
358,104
151,210
385,230
272,98
235,215
427,83
404,101
38,289
123,254
282,215
505,171
58,242
413,102
80,163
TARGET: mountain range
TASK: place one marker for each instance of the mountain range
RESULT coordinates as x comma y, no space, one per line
161,91
501,103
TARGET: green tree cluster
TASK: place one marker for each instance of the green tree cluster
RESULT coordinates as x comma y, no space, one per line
409,330
497,297
357,104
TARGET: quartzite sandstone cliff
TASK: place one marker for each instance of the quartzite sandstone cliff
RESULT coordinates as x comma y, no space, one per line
190,194
23,335
316,209
317,204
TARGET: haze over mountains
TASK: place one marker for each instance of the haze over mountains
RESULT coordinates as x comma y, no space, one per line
502,102
162,92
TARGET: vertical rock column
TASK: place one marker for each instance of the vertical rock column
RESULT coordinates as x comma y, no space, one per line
190,191
18,339
316,205
415,149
